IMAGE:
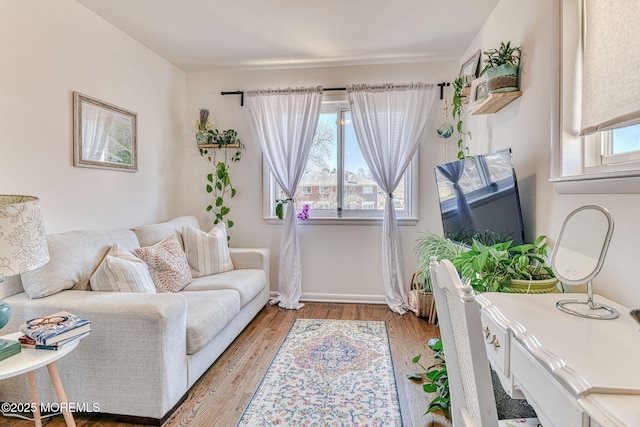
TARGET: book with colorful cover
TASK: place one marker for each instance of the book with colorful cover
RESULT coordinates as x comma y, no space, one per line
55,328
28,342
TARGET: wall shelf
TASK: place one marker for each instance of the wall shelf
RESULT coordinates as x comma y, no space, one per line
218,146
495,102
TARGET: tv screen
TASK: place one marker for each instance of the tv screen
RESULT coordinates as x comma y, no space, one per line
479,199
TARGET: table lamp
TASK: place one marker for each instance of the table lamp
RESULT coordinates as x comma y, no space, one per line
23,244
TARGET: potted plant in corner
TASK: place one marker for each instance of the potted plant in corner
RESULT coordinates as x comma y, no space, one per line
421,293
501,67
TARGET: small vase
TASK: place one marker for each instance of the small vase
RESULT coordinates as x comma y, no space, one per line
503,78
203,137
5,314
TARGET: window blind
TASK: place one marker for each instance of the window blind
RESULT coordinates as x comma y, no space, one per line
611,87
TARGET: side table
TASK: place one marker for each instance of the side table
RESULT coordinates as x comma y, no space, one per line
27,361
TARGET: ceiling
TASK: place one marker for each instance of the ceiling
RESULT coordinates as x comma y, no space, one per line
199,34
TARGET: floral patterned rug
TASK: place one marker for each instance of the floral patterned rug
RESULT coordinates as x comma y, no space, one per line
329,373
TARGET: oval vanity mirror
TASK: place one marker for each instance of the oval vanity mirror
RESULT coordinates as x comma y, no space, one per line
578,257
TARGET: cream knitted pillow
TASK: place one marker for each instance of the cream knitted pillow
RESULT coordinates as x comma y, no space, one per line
121,271
168,264
207,253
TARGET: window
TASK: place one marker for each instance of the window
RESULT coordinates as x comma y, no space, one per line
337,182
592,101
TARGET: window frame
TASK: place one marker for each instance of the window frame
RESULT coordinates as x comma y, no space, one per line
407,216
577,161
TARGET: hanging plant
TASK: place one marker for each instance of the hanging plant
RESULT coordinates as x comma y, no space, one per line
458,109
221,148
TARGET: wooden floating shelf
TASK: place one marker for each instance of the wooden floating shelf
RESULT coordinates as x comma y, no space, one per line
218,146
464,95
495,102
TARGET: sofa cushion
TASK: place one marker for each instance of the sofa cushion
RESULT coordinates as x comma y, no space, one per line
74,256
207,253
208,313
121,271
168,264
151,234
247,282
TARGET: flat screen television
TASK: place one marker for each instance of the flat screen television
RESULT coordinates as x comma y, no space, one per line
479,199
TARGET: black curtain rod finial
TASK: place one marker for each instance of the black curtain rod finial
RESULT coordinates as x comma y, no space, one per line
235,92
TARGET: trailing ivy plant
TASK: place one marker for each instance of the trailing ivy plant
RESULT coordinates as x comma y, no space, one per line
458,109
434,379
227,149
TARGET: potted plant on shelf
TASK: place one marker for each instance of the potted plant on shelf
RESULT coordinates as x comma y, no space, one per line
221,148
458,100
501,67
504,268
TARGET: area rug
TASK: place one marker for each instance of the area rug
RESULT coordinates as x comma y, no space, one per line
329,373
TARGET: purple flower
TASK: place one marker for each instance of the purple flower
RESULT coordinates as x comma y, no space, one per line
304,213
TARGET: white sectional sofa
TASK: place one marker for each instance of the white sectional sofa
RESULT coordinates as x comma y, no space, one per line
146,349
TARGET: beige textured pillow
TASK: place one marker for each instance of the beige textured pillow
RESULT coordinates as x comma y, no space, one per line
207,253
168,264
121,271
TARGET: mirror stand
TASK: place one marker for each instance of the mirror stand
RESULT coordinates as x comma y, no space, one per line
606,312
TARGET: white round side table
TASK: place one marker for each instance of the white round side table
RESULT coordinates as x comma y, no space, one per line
27,361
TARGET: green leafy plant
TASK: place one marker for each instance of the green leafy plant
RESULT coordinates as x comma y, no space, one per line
528,261
434,379
458,109
280,207
505,54
430,244
226,149
490,268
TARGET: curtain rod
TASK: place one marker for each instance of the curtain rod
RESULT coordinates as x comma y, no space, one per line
241,92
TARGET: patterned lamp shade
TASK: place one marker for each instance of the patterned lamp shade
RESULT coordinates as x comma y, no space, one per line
23,245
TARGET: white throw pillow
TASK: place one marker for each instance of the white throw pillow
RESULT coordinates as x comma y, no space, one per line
121,271
168,264
207,253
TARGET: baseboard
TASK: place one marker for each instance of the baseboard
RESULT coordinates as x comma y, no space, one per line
339,298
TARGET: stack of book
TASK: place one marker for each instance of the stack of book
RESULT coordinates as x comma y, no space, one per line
54,331
8,348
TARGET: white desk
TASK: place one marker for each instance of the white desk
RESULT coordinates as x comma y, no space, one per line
574,371
27,361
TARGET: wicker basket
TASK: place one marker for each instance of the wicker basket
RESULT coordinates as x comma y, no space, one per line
420,302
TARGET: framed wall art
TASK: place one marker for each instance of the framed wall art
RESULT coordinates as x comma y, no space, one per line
479,91
469,69
104,135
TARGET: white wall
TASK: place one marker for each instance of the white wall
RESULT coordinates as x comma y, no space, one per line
525,125
52,48
340,262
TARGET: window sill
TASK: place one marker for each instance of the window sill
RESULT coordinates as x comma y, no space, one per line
602,183
343,221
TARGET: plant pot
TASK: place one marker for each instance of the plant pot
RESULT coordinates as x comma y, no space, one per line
546,286
503,78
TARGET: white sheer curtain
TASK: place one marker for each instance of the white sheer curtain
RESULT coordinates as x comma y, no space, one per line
285,122
388,121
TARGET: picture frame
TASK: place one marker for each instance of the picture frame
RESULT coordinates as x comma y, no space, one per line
104,135
470,67
479,91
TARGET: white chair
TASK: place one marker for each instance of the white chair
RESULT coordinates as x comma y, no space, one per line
472,400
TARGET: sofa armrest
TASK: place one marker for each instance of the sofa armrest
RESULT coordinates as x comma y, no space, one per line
144,335
257,258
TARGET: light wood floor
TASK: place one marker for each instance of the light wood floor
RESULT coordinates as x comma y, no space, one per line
222,394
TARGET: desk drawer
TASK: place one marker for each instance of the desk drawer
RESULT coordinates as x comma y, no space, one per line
497,342
543,391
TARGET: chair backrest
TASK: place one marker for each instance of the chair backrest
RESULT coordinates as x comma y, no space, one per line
471,390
